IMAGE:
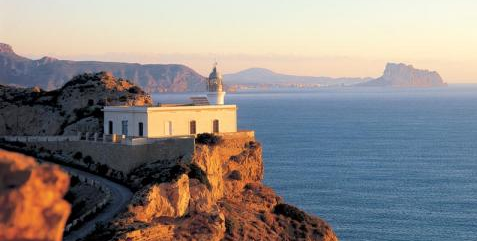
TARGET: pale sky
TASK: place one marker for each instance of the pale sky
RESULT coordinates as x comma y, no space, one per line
335,38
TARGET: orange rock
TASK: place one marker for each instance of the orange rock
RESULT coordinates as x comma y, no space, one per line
161,200
31,199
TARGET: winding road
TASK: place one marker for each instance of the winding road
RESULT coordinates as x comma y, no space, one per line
120,197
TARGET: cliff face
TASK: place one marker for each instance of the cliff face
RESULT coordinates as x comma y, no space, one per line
31,199
217,196
74,107
401,75
50,73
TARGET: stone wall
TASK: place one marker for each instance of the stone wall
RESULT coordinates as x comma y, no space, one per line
124,158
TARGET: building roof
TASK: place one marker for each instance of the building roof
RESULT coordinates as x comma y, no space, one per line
145,109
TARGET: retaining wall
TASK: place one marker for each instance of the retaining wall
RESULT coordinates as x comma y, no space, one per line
125,157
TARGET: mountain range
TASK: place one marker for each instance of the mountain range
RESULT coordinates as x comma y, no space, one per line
265,77
50,73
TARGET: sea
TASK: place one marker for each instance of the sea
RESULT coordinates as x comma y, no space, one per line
375,163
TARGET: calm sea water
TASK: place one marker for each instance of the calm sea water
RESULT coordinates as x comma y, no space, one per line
377,164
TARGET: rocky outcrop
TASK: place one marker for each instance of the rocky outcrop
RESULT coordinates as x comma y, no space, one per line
50,73
31,199
401,75
74,107
161,200
5,48
225,196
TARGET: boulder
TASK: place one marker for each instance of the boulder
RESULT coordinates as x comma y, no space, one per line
31,199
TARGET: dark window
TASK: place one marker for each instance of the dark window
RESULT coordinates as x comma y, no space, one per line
110,128
124,129
141,129
90,102
193,129
216,126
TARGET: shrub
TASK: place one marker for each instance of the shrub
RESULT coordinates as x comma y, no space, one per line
88,160
235,175
289,211
207,139
102,169
199,174
134,90
78,155
123,98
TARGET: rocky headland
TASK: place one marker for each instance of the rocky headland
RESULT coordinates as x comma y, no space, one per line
51,73
216,196
402,75
76,106
31,199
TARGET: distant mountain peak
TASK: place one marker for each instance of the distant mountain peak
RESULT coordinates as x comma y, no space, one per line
256,70
47,59
5,48
404,75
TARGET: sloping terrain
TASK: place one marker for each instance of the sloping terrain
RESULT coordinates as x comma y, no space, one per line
74,107
50,73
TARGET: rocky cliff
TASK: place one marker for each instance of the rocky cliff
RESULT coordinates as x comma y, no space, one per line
31,199
50,73
401,75
74,107
216,196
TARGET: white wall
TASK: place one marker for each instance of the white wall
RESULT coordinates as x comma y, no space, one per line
133,119
155,119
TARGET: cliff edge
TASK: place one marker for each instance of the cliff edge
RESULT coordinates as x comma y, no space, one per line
216,196
31,199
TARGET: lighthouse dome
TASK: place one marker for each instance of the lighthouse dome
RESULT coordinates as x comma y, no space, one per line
215,74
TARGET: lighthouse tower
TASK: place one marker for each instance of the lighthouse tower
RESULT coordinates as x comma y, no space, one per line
215,93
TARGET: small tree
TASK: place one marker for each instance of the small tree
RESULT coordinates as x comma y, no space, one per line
88,160
78,155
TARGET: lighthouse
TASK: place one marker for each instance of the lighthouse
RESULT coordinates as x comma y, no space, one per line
215,93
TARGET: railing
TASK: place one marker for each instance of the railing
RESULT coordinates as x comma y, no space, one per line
39,138
99,205
117,139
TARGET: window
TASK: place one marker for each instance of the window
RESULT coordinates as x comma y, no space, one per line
110,127
216,126
124,127
168,128
192,127
141,129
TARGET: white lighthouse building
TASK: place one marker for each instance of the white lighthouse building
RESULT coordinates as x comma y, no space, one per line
215,91
203,115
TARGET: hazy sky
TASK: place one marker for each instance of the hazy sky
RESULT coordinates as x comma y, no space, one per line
309,37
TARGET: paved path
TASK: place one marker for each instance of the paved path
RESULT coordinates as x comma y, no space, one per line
120,197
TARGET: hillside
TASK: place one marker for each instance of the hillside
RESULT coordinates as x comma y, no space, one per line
260,76
402,75
50,73
74,107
